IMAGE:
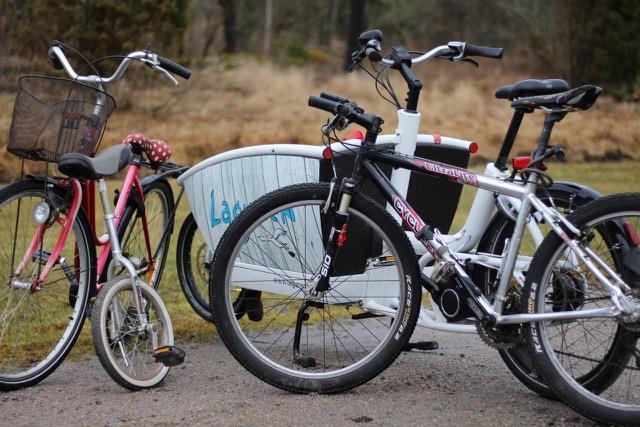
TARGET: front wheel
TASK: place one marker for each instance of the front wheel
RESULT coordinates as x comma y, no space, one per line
261,291
124,342
593,364
40,320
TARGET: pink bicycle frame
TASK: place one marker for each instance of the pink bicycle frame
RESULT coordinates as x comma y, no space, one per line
86,199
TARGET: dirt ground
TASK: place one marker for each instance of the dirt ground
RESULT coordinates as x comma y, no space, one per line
464,383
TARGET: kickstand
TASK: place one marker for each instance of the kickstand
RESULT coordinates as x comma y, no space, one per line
303,316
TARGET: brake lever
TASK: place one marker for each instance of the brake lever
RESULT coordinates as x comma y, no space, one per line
167,74
357,57
339,123
470,61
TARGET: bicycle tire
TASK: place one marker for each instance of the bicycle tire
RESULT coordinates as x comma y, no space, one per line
131,236
588,392
193,265
64,304
103,325
517,358
363,211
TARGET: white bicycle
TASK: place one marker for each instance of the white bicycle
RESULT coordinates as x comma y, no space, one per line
221,186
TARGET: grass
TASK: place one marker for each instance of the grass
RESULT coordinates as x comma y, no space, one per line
252,102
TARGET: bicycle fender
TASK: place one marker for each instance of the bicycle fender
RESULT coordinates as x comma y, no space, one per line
582,193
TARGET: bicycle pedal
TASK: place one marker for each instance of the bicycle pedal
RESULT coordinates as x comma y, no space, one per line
169,355
421,345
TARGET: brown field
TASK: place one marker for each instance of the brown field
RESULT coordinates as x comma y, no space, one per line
241,102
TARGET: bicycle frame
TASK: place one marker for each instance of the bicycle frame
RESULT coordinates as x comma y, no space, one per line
85,199
526,194
262,279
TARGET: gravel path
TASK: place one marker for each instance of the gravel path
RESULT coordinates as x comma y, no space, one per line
464,383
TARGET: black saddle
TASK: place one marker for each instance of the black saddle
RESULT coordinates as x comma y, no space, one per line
527,88
580,98
107,163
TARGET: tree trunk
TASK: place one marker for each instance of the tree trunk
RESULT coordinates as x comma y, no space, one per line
357,25
268,23
229,18
333,25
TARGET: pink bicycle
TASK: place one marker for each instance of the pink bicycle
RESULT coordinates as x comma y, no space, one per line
47,227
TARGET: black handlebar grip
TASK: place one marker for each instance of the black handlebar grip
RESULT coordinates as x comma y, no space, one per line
323,104
174,68
487,52
332,97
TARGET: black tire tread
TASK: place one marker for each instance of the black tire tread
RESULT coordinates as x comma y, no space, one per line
29,185
227,243
188,231
588,212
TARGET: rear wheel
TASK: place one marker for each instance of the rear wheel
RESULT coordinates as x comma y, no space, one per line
593,364
158,208
265,267
38,326
517,357
193,259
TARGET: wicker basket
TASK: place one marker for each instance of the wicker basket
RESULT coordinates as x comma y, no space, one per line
54,116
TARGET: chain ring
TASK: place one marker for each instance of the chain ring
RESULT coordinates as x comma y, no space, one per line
497,339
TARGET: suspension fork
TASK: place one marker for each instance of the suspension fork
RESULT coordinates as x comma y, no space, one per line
338,232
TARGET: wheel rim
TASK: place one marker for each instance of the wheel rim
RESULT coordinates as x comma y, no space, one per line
130,351
598,357
338,343
200,258
37,328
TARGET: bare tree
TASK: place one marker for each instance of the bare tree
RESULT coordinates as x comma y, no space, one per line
357,25
229,18
268,24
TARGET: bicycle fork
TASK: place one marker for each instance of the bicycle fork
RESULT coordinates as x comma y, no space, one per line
320,284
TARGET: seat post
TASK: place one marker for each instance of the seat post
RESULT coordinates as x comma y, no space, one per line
110,225
509,139
550,119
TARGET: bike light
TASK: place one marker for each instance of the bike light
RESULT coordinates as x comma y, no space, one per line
41,213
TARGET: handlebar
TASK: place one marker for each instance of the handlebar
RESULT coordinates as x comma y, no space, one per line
456,51
350,111
156,62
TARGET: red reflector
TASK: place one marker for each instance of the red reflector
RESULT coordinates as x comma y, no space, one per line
473,147
356,134
520,163
634,240
437,138
327,153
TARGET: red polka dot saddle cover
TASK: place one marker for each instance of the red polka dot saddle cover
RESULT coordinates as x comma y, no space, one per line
157,150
